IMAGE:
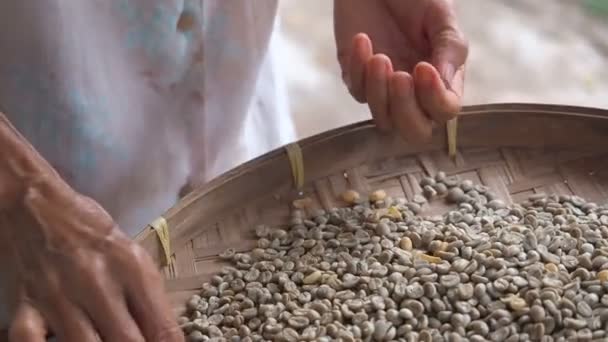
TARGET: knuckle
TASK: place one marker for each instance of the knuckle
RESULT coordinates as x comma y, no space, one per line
126,252
464,46
92,269
142,263
457,39
139,254
460,42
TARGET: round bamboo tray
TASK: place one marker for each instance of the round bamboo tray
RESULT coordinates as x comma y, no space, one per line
516,149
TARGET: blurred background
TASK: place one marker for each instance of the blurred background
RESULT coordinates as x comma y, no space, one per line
520,51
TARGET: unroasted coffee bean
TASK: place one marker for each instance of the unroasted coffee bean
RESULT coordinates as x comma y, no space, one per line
383,331
500,334
429,191
466,291
441,189
537,313
430,290
427,181
467,185
425,336
574,323
196,336
477,338
479,327
298,322
456,195
415,306
584,335
496,204
414,291
450,280
584,309
419,199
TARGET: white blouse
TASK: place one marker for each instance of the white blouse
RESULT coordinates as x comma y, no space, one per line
131,99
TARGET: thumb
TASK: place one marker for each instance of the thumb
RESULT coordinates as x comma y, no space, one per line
449,54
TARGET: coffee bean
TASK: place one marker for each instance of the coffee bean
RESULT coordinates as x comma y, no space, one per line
455,195
496,204
584,335
574,323
414,291
466,291
450,280
500,334
479,327
584,309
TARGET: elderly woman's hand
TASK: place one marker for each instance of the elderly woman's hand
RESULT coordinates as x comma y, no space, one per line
70,270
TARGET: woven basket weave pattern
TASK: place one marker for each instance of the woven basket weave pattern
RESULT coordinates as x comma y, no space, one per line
515,149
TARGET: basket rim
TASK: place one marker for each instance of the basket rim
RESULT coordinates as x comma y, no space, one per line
472,110
506,108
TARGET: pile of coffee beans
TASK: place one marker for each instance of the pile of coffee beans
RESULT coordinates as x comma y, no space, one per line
379,271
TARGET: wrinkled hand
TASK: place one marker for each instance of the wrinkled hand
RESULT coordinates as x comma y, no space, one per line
73,273
405,59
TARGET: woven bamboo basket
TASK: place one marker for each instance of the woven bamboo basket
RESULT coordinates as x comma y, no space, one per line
516,149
